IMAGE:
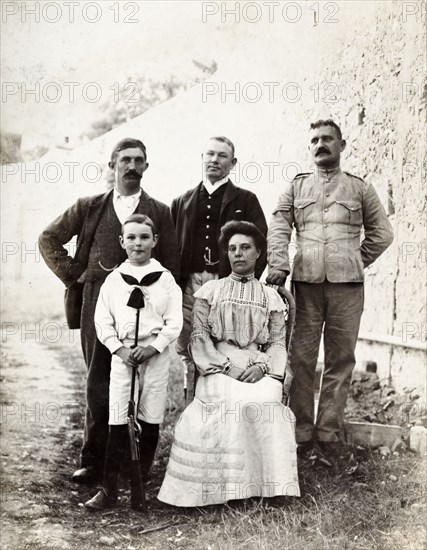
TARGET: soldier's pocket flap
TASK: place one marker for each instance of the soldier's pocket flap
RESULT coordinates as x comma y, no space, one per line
303,203
351,205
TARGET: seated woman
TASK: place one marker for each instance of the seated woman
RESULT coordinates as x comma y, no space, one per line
236,439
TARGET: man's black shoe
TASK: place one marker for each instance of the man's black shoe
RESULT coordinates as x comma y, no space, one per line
85,475
305,447
314,454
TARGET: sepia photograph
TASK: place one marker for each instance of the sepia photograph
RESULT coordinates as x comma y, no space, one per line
213,275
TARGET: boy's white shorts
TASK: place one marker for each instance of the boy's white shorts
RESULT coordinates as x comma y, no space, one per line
151,387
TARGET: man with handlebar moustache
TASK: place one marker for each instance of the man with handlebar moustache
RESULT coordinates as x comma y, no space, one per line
328,208
97,221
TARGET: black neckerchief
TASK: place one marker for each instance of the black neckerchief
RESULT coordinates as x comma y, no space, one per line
136,299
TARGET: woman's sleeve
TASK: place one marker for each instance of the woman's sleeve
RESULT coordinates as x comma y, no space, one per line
207,359
276,344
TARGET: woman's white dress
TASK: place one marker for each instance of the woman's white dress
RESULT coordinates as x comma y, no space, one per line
236,439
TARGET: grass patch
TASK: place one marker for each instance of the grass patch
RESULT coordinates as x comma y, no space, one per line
380,504
363,502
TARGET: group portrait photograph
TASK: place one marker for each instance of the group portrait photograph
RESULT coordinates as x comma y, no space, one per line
213,275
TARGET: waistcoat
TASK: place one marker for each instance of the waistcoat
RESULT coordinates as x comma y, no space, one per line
106,252
205,244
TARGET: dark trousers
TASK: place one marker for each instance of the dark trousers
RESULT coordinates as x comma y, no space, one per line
336,308
98,362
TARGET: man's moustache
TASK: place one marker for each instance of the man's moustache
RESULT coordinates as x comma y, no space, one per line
134,174
320,151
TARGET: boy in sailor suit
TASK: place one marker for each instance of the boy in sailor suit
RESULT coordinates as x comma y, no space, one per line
160,323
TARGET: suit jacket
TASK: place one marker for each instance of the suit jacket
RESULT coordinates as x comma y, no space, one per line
237,204
82,219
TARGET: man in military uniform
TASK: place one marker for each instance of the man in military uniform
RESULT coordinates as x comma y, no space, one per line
199,215
328,208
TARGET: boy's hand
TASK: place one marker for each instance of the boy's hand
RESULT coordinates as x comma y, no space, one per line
126,356
141,354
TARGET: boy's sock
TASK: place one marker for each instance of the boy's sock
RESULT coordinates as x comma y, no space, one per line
148,440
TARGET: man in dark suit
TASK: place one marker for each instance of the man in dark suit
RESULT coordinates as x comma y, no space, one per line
199,215
97,221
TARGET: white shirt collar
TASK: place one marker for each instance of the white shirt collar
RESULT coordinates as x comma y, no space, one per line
212,187
134,197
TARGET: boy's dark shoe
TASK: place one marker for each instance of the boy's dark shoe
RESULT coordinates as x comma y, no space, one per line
101,501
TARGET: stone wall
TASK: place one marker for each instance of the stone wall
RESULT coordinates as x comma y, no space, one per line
383,111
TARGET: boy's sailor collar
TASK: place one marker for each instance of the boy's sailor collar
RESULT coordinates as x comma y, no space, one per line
129,269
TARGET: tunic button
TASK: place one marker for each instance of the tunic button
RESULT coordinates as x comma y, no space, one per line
207,217
207,236
209,205
207,227
325,225
206,247
326,209
327,194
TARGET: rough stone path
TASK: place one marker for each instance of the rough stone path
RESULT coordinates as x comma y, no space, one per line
40,405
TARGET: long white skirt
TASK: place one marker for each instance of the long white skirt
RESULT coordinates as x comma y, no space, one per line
235,440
